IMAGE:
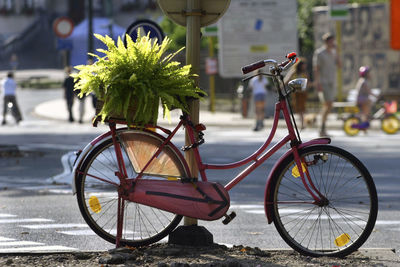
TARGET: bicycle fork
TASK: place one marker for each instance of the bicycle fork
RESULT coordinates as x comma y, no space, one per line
302,168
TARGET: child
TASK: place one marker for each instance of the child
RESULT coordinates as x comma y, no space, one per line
363,101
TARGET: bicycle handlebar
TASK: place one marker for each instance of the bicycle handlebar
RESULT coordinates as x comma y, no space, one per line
291,59
253,66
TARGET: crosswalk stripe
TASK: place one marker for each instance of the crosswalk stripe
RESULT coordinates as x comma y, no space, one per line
19,243
35,249
247,206
57,225
78,232
5,239
3,215
25,220
90,232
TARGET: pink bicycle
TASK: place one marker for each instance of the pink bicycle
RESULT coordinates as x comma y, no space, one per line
133,185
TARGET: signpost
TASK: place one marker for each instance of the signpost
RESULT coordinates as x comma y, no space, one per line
252,30
339,11
211,31
63,27
193,14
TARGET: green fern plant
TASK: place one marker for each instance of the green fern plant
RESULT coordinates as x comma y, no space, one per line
137,75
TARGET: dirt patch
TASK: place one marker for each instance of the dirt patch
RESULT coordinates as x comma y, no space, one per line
164,255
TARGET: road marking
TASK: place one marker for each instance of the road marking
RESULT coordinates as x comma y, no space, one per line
20,243
5,239
90,232
4,215
56,225
247,206
383,222
25,220
35,249
78,232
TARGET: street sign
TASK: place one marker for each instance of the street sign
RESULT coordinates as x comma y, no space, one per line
252,30
338,9
210,12
210,30
63,27
64,44
211,66
146,26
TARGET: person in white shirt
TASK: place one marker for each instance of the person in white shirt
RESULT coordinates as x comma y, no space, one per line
9,87
258,85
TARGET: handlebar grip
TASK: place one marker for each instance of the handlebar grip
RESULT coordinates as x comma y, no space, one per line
291,55
253,66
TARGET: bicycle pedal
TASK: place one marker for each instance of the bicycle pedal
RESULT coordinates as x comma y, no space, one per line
229,218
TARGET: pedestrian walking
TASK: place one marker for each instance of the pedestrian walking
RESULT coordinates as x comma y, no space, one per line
258,86
9,87
325,62
300,97
69,93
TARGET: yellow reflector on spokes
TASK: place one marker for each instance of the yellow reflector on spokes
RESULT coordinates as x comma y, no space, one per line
295,170
342,240
94,204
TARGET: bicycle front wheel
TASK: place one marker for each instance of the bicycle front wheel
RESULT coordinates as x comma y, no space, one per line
339,225
97,188
390,124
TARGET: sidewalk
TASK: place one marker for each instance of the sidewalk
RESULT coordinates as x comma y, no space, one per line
56,110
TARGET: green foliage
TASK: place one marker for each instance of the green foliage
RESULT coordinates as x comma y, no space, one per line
139,76
177,34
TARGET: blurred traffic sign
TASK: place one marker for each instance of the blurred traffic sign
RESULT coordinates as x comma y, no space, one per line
146,27
64,44
63,27
338,9
211,66
210,12
210,30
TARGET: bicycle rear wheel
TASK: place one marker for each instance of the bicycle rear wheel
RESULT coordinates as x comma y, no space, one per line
347,126
97,188
337,227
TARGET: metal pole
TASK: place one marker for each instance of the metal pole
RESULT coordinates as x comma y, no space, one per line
193,58
339,67
212,77
90,28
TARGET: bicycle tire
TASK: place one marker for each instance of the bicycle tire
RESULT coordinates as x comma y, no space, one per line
142,225
350,131
390,124
338,228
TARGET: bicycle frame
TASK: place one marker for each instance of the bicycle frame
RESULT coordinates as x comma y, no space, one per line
257,158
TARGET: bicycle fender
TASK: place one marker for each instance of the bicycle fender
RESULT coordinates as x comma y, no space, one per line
268,206
82,155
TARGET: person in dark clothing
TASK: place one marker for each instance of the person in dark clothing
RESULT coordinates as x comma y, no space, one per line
69,92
